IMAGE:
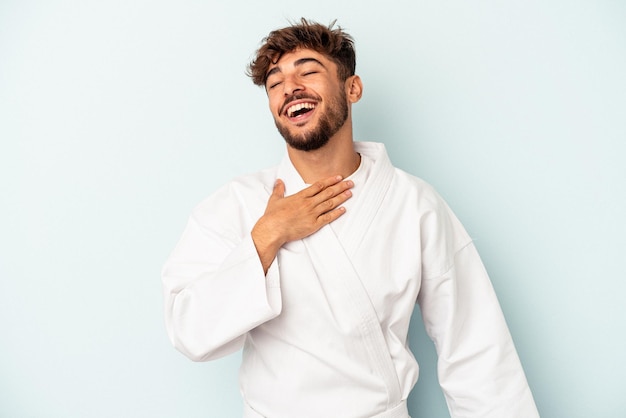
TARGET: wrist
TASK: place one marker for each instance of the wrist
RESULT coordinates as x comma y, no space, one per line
267,243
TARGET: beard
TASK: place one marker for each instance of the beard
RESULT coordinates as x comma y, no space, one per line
329,123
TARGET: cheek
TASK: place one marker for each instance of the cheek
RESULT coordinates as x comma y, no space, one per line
274,105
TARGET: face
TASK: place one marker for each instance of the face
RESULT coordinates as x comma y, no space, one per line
306,98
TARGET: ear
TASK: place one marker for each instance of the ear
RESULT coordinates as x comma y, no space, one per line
354,88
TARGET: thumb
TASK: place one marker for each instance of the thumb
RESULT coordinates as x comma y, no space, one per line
279,190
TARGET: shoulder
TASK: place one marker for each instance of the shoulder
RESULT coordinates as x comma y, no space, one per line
414,189
417,190
243,196
442,234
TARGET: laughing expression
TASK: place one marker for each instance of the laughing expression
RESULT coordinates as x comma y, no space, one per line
306,98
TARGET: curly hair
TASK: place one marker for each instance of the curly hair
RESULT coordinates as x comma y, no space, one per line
334,43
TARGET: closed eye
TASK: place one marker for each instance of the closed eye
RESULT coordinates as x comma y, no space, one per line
273,81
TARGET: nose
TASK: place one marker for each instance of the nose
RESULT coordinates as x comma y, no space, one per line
291,85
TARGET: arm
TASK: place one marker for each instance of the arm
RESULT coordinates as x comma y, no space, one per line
479,369
215,291
222,279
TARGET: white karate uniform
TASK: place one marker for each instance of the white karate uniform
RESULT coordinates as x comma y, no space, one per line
324,333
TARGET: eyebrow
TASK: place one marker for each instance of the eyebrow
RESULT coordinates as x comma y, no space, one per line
299,62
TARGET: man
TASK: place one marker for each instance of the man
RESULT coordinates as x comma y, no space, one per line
314,267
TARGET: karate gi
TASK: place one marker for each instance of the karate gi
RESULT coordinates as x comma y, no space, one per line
324,333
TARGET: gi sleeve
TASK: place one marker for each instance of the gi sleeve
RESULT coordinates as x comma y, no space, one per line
215,290
478,367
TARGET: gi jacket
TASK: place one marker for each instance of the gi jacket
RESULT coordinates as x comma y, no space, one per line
324,333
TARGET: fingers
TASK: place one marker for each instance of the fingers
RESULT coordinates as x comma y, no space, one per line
330,216
300,215
325,196
325,191
333,196
321,185
331,200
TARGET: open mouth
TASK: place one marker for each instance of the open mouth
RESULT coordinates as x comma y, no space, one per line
300,109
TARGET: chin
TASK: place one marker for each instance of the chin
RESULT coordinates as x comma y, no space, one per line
308,144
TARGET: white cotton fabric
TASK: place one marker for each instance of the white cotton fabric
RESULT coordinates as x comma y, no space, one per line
324,333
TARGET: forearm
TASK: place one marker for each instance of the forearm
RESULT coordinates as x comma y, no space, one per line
213,299
479,370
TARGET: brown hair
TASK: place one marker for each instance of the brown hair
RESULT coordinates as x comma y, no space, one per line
333,43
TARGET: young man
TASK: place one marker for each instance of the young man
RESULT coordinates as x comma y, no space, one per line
314,266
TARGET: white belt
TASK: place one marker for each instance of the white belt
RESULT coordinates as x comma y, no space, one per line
399,411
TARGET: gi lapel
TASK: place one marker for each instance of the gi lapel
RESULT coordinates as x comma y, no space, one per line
352,304
371,195
332,262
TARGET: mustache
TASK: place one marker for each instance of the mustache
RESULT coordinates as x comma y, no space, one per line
298,96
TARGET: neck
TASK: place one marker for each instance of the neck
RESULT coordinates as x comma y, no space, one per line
337,157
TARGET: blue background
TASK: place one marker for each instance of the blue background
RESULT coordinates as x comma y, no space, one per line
117,117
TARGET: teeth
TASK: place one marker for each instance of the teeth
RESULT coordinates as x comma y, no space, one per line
293,109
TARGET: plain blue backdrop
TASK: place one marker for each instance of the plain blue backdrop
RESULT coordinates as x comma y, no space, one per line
117,117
